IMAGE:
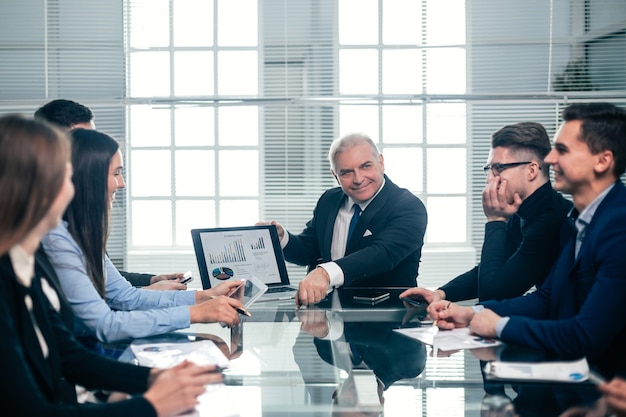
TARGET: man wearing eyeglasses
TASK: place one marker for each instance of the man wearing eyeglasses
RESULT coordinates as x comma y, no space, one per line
579,310
524,218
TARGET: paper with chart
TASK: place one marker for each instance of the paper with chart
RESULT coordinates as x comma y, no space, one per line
454,339
166,355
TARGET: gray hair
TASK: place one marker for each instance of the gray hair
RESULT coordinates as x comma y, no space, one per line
349,141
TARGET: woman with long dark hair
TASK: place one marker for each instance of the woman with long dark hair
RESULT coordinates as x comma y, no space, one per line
37,350
108,308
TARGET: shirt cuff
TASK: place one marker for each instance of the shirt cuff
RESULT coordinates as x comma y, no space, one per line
285,239
335,273
500,325
478,308
335,326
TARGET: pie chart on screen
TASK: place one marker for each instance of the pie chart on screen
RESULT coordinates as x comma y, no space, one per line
222,273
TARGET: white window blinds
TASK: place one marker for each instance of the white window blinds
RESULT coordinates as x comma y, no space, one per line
226,108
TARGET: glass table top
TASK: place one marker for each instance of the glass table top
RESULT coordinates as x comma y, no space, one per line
345,359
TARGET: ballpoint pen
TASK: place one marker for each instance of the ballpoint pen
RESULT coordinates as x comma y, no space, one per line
596,378
240,310
243,311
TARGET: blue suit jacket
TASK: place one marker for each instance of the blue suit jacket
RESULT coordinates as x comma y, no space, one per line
578,311
388,256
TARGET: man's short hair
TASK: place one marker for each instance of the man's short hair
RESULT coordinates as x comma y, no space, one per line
348,141
603,128
64,113
525,136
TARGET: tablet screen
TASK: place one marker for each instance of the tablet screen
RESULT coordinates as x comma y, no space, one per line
251,289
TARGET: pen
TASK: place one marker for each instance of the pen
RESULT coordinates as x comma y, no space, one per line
240,310
596,378
243,311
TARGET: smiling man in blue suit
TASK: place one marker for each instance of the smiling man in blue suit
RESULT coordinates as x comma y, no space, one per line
367,232
578,311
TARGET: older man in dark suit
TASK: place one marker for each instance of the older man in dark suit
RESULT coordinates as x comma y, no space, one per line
367,232
578,310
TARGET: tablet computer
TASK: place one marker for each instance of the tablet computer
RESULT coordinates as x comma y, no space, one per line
249,291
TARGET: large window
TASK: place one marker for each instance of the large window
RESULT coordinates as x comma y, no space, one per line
232,126
193,163
226,108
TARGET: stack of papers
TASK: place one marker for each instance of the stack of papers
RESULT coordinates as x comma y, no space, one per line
166,355
445,340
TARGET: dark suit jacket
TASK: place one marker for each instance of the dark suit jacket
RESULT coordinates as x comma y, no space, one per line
579,310
389,256
517,254
36,388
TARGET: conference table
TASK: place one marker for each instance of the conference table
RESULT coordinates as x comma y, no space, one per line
344,358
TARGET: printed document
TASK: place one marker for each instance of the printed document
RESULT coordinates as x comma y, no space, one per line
454,339
558,371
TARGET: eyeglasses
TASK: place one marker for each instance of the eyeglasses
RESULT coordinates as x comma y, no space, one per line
498,168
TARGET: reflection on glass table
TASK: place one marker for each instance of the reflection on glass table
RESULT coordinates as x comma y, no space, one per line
345,358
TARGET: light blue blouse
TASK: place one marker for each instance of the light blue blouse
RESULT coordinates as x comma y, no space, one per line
128,312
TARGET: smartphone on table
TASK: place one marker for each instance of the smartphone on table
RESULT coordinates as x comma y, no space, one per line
371,298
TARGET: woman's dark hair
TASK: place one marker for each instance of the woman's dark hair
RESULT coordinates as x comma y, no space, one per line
88,214
33,163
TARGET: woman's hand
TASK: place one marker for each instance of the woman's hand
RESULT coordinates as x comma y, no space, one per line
225,288
219,309
175,390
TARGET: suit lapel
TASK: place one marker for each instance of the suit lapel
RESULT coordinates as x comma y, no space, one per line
29,341
570,263
43,268
370,212
327,236
42,310
607,202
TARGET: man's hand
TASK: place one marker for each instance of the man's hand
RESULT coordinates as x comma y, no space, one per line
449,315
428,295
497,206
599,409
484,323
615,394
313,288
279,228
314,322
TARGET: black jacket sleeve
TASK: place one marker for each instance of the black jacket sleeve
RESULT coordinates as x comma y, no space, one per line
137,279
34,387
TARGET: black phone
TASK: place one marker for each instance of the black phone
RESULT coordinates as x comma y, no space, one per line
415,303
419,308
372,298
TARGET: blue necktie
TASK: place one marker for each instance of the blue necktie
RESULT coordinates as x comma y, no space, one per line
355,218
